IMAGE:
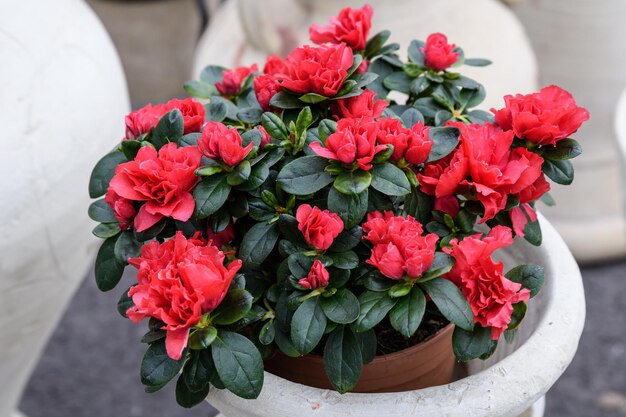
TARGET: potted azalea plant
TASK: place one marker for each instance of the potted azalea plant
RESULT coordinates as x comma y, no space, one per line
331,219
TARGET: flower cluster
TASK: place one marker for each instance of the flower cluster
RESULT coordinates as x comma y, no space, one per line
305,205
399,249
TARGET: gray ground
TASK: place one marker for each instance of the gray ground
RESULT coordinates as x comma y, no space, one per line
91,366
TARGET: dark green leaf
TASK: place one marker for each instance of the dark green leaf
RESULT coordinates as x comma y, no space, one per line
267,333
564,149
529,275
376,42
353,183
284,100
377,282
444,139
398,81
187,398
274,126
415,53
368,345
199,89
472,345
106,230
124,303
198,370
374,308
238,364
419,205
312,98
202,338
216,111
342,307
304,120
101,212
477,62
407,314
108,269
257,244
532,233
559,171
169,129
250,115
103,172
127,247
411,117
157,369
343,360
346,240
212,74
240,174
344,260
304,175
390,180
210,195
326,128
300,265
450,301
519,311
442,264
308,325
190,139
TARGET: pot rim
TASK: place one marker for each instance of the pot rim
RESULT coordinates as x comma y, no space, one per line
506,388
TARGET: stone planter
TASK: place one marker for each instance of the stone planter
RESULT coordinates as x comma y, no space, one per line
63,101
591,218
514,380
245,31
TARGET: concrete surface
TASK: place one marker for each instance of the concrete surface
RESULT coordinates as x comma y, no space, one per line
91,366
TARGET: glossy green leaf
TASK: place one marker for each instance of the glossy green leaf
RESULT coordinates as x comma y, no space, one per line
304,175
450,302
390,180
407,314
103,172
238,364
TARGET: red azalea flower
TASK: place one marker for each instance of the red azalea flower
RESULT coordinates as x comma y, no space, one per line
411,144
543,118
351,26
319,227
443,178
274,65
519,218
496,171
222,143
354,141
448,204
438,53
123,209
320,70
179,281
363,105
232,79
221,238
266,139
163,180
140,121
193,113
490,294
399,248
318,276
265,87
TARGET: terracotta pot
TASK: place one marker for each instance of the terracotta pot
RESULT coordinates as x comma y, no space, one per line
426,364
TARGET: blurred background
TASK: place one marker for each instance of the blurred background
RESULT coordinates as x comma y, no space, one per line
90,366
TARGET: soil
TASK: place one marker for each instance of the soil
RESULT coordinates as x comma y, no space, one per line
390,341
